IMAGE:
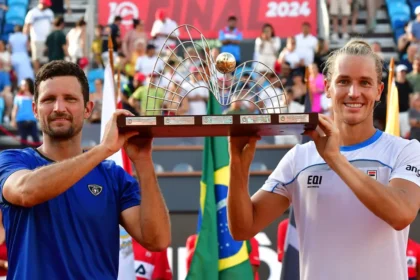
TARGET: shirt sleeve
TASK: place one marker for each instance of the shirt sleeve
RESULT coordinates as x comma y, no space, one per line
282,179
254,255
10,162
407,166
129,190
162,269
29,17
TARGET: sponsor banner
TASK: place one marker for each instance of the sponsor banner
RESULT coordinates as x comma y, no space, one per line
209,16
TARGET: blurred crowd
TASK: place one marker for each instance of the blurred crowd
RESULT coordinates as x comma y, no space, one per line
283,72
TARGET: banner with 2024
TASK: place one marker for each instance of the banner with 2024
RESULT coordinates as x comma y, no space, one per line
210,16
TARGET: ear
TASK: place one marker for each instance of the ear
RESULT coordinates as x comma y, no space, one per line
35,109
380,90
88,109
327,86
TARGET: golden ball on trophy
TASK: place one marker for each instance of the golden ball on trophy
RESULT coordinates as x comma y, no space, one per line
225,63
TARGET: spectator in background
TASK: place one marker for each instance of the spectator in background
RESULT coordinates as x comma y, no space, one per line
151,265
6,92
21,62
146,63
414,117
343,8
322,52
267,47
403,86
38,23
154,94
413,259
414,76
128,90
299,87
403,43
96,98
57,6
409,59
414,27
199,96
114,29
290,55
5,55
306,44
56,44
133,37
162,27
76,40
355,7
230,38
97,44
23,117
316,87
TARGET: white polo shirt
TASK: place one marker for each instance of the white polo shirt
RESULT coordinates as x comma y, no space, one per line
41,23
339,238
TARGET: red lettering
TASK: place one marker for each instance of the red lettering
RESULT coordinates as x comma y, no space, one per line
232,7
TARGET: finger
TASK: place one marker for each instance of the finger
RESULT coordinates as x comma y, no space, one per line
325,126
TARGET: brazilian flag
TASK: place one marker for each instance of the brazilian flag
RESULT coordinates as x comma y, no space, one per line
217,255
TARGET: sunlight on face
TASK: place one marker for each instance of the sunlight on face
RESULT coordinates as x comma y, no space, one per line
354,89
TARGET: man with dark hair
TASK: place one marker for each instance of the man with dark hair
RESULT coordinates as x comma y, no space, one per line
70,202
56,44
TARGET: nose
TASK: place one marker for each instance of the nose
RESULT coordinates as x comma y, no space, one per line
59,106
354,91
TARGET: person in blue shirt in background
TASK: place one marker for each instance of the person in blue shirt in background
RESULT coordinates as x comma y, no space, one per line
231,37
62,206
23,117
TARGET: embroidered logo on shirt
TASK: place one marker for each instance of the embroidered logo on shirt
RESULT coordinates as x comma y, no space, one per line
95,189
372,174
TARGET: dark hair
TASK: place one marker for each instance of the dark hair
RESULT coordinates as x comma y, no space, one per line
18,28
117,18
58,21
81,22
232,18
272,29
30,83
61,68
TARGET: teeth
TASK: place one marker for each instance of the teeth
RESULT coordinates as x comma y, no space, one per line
354,105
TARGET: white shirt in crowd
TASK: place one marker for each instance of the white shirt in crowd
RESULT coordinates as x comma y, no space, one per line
306,46
41,21
145,64
339,237
198,107
166,28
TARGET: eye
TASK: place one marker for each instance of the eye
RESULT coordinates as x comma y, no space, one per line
342,82
365,83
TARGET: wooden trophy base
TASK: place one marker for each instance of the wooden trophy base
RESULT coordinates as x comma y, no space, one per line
219,125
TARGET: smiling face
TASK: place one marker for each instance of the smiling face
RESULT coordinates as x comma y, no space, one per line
60,107
354,88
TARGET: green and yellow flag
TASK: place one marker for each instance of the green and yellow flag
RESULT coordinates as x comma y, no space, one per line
217,256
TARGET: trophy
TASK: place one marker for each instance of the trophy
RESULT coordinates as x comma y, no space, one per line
186,68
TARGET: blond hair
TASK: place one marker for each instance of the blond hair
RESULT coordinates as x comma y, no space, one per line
354,47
